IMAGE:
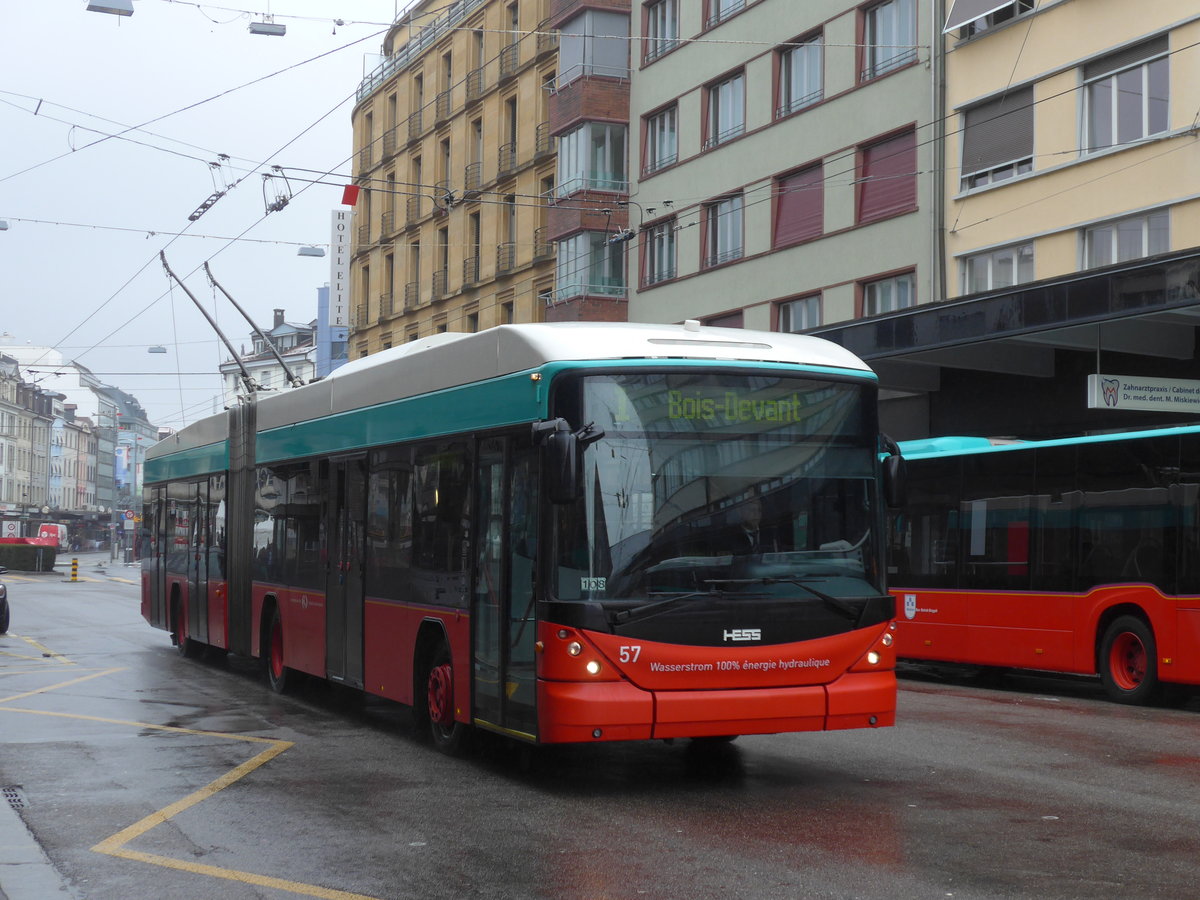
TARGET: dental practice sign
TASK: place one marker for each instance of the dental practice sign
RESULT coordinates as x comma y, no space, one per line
1176,395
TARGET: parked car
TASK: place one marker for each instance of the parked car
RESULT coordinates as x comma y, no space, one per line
3,604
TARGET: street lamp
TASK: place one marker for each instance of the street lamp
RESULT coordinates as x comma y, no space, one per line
112,7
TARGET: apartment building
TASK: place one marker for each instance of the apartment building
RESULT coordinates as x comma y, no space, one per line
783,164
1071,229
454,160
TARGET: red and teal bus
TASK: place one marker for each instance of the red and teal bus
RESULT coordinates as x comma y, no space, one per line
1079,555
561,533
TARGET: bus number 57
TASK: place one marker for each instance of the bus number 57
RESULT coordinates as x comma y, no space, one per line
631,653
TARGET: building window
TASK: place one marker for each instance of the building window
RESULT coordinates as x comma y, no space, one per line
589,264
662,141
887,178
800,315
1126,239
658,253
726,110
998,139
998,268
662,28
723,231
887,294
595,42
1126,95
592,156
720,10
799,206
800,82
889,36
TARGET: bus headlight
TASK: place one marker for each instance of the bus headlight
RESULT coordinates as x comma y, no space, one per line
593,667
873,658
888,639
574,648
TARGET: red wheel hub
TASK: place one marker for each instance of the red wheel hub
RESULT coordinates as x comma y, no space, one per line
1127,661
441,695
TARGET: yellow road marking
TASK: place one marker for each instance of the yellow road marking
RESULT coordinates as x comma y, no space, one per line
46,652
116,844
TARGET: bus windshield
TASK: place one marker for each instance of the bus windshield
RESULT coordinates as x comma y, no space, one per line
721,484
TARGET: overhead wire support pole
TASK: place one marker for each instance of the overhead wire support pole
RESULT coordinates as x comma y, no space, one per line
247,379
293,379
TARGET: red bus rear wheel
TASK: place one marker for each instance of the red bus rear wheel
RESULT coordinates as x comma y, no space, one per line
1128,661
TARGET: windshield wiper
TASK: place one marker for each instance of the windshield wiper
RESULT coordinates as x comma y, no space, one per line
657,606
834,603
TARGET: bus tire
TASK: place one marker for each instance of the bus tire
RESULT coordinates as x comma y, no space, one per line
449,736
188,648
1128,661
279,676
4,615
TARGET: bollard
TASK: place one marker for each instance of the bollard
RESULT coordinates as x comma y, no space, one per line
74,568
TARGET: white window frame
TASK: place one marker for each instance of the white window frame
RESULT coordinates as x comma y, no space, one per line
801,80
588,263
662,28
890,37
726,110
990,268
662,140
724,237
659,248
593,156
720,10
800,314
885,295
1105,92
1110,242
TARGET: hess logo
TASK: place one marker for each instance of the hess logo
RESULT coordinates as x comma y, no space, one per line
743,634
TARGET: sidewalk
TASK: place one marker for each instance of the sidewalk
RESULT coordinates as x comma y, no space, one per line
25,872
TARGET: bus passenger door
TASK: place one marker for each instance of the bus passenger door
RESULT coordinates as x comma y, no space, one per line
502,599
345,534
197,597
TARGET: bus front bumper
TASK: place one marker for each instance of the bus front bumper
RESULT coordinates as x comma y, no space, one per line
572,712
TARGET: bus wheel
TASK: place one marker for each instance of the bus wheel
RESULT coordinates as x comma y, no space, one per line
279,676
449,735
1128,657
4,614
188,648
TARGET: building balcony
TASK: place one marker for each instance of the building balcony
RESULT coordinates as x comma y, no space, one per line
412,209
547,41
388,225
506,257
390,142
471,270
412,295
386,305
543,249
610,288
543,142
414,126
473,181
364,235
475,84
506,161
510,60
441,106
441,283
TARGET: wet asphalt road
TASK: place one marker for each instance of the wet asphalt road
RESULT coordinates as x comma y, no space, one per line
141,774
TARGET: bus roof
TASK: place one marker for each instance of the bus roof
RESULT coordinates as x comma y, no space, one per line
928,448
452,359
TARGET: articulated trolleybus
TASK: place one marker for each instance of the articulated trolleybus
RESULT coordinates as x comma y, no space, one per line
561,533
1079,555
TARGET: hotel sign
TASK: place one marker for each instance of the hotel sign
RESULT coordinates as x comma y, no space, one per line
1174,395
339,274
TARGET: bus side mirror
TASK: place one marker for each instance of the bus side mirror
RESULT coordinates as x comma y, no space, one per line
895,481
562,457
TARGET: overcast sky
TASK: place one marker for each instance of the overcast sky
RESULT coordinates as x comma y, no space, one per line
88,214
